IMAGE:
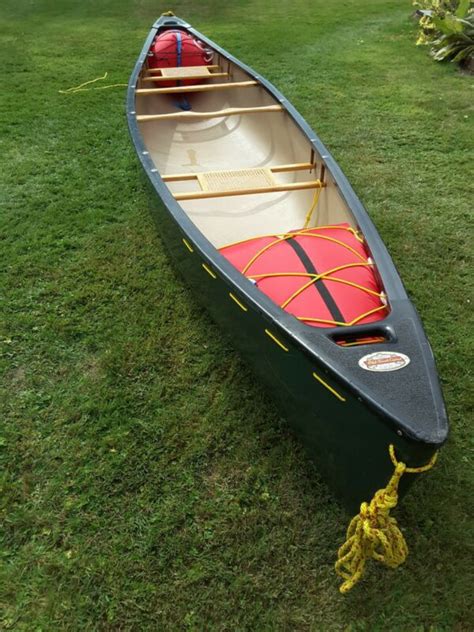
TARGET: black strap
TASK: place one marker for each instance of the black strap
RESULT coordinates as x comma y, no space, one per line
318,285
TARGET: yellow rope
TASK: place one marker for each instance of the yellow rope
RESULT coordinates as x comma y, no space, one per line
82,88
287,236
356,285
333,239
243,241
365,314
373,533
313,278
336,323
314,204
321,276
261,251
308,275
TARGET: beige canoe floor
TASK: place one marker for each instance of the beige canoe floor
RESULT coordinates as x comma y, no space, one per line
236,142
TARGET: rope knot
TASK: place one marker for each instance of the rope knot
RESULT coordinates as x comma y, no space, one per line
373,533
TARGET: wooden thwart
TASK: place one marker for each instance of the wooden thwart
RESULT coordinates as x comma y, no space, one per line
291,186
203,115
205,87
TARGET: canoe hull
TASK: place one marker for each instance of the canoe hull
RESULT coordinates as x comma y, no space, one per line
346,417
347,440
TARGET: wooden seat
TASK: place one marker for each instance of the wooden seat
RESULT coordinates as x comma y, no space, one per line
238,180
179,71
184,72
180,68
211,75
242,182
294,166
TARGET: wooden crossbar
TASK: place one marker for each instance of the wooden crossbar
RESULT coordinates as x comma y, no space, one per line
210,75
214,67
204,87
293,186
189,116
297,166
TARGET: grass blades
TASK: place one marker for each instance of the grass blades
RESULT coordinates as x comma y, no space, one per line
147,482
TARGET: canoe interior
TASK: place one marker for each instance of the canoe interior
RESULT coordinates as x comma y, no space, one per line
236,142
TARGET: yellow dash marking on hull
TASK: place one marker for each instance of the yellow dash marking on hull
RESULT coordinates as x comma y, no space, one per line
188,246
330,388
236,300
275,339
209,271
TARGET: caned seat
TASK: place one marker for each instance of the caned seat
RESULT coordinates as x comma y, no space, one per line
236,180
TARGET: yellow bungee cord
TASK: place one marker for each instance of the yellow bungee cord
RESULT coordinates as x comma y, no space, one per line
373,533
314,204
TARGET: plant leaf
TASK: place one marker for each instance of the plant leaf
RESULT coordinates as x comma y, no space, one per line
463,8
449,24
463,54
444,53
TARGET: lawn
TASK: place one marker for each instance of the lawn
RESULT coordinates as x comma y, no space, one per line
147,481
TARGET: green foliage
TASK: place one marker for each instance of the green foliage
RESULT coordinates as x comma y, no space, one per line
448,27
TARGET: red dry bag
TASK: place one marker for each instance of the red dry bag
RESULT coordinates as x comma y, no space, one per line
176,48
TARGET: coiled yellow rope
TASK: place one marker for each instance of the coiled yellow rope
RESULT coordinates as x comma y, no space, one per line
373,533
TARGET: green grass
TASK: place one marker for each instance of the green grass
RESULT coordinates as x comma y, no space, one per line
147,481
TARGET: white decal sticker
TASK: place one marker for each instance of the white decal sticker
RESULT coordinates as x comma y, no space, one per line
384,361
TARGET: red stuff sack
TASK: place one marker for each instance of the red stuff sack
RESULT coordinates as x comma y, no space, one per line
323,275
175,48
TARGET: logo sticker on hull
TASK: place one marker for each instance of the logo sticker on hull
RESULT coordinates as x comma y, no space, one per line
384,361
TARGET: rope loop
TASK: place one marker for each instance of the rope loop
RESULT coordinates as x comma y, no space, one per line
412,470
373,533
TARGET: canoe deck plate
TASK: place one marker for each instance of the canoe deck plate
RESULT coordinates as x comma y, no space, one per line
236,180
186,71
